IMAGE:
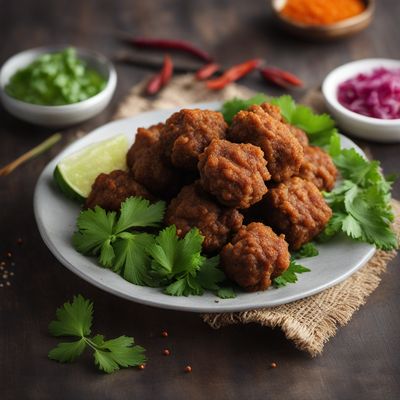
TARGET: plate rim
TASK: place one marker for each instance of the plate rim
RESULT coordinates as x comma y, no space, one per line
216,307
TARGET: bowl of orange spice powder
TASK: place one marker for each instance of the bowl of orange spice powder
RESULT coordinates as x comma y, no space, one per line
324,19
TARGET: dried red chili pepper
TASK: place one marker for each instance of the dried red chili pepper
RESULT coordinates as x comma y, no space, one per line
162,78
233,74
179,45
207,71
280,77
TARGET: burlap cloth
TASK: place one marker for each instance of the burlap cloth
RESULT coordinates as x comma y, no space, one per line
310,322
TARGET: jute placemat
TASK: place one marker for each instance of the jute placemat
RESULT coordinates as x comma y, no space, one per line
310,322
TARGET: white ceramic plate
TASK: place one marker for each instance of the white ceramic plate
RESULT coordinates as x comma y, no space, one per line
56,217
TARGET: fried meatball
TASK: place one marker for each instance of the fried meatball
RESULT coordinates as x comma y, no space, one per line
282,150
188,132
299,134
318,168
110,190
297,209
151,170
275,112
234,173
145,137
195,208
255,256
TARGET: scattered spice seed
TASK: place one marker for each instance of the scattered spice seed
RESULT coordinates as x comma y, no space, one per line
9,254
8,283
188,369
142,367
2,263
11,273
166,352
13,264
273,365
233,74
1,285
164,334
19,241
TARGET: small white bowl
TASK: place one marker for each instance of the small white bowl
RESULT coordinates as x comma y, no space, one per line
379,130
58,116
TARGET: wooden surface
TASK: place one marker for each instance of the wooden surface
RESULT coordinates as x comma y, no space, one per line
361,362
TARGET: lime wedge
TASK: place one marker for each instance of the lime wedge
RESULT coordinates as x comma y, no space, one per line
76,173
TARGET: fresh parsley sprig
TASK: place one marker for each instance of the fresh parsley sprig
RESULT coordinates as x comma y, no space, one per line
109,237
165,261
178,264
290,275
75,319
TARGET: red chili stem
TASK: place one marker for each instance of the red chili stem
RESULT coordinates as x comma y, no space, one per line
233,74
161,78
207,71
170,44
280,77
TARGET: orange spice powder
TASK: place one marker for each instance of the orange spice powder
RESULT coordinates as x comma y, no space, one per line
321,12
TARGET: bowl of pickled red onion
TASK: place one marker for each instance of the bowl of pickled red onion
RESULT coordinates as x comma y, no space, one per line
364,98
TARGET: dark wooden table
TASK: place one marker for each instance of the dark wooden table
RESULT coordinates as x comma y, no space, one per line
361,362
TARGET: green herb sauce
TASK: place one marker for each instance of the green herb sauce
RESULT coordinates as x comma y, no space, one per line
55,79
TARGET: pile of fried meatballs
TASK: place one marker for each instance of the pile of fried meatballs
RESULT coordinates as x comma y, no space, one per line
253,189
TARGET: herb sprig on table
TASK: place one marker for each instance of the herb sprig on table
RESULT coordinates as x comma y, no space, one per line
361,201
75,319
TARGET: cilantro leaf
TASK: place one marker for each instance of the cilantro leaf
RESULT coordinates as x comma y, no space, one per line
226,293
209,274
178,264
307,250
163,251
132,261
94,228
290,275
232,107
73,319
112,354
138,212
68,351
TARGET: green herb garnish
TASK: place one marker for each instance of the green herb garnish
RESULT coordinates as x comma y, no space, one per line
55,79
75,319
145,259
290,275
306,251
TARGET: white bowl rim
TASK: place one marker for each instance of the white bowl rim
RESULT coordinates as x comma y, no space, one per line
331,95
96,56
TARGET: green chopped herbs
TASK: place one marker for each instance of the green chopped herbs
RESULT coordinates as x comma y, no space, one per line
361,201
75,319
55,79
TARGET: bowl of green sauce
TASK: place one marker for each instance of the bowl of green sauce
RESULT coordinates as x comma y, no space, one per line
57,86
